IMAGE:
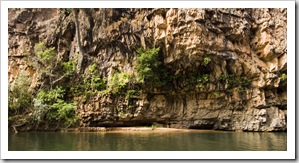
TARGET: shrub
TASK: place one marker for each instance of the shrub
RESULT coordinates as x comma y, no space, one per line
148,66
92,83
91,86
242,82
69,67
19,96
132,94
44,54
52,105
43,102
64,111
118,83
40,109
52,95
92,70
45,61
97,84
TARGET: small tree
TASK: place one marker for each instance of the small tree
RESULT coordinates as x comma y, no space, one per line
46,56
51,107
19,96
45,62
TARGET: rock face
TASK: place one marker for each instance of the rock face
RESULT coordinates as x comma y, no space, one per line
244,45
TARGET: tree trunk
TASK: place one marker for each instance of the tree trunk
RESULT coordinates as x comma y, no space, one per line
81,55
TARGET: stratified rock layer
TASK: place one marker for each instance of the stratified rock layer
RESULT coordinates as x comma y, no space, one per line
249,43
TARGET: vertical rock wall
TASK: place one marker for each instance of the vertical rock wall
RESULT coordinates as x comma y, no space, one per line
247,44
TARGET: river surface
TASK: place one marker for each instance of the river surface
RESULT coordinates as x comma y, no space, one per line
148,141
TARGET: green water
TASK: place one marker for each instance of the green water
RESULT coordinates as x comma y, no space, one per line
149,141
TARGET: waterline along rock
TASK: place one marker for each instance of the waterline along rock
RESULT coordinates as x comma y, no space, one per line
223,69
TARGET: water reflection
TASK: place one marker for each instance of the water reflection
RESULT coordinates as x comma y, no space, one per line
149,141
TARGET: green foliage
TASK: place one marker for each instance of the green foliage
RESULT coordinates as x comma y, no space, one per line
52,95
222,78
204,78
118,83
216,94
201,80
43,102
45,61
206,61
119,111
283,77
244,82
148,66
242,89
92,70
91,86
64,111
233,81
97,84
153,127
19,95
44,54
69,67
92,83
51,105
40,109
132,94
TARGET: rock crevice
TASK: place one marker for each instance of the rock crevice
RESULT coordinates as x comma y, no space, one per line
244,50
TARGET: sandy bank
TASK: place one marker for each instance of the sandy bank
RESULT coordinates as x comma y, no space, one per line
131,129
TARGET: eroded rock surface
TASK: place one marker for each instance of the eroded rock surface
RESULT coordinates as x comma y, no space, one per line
248,44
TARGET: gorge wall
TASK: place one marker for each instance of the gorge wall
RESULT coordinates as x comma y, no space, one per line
228,66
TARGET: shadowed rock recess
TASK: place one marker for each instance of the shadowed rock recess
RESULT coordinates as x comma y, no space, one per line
222,69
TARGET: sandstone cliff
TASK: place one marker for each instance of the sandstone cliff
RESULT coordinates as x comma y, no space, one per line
243,51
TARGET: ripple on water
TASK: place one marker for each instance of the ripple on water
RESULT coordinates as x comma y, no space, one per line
184,140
